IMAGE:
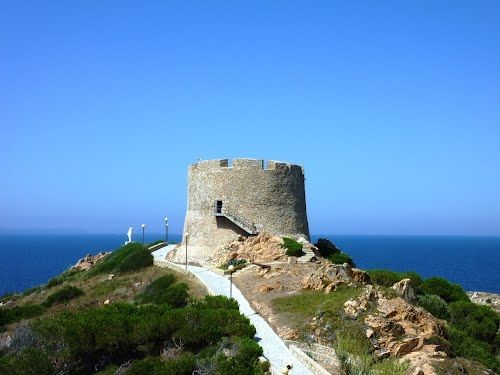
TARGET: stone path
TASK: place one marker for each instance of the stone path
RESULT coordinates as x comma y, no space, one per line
273,346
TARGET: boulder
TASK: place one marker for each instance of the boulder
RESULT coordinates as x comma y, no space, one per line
88,261
402,328
405,290
328,276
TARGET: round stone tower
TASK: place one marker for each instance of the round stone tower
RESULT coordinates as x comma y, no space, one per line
226,201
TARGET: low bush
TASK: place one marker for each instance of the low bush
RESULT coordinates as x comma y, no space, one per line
29,362
32,290
435,305
230,356
63,295
59,279
7,297
15,314
465,345
236,263
164,290
183,365
326,248
122,330
293,248
389,278
130,257
480,322
444,289
341,258
330,251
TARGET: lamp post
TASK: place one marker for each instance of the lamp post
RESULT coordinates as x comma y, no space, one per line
143,226
166,230
230,269
186,235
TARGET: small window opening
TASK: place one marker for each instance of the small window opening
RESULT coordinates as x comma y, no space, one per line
218,207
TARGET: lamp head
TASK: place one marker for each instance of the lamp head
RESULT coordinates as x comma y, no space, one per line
143,226
230,268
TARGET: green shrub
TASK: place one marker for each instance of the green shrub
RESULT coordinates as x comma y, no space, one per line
465,345
130,257
480,322
63,295
122,330
54,282
234,356
435,305
444,289
7,297
163,290
236,263
183,365
135,261
32,290
59,279
29,362
18,313
216,302
389,278
293,248
341,258
326,248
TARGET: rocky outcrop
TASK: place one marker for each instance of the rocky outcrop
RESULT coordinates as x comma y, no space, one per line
353,308
402,328
329,276
484,298
261,248
405,290
88,261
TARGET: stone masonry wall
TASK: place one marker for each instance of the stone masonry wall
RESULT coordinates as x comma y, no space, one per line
272,198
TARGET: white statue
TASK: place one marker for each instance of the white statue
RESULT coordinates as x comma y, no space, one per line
129,235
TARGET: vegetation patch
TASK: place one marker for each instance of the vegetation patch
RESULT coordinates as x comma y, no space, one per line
236,263
389,278
435,305
63,295
65,276
293,248
444,289
164,290
130,257
107,336
29,362
15,314
330,251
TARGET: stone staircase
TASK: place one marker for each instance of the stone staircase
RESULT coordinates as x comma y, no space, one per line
246,225
309,254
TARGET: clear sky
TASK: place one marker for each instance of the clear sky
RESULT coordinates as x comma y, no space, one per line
392,107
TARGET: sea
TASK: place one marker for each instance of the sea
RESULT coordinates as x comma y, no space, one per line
28,260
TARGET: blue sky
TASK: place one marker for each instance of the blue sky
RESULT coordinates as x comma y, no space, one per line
393,108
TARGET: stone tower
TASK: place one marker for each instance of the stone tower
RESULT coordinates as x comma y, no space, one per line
245,198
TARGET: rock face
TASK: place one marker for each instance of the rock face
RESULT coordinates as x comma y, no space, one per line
353,308
329,276
262,248
88,261
395,318
404,289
